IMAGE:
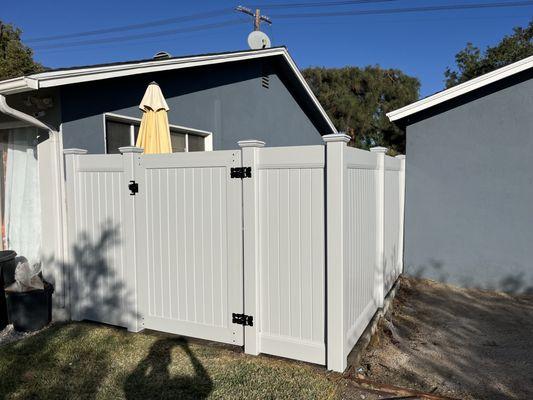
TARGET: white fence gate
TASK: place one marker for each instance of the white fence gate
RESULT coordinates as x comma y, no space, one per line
288,251
189,216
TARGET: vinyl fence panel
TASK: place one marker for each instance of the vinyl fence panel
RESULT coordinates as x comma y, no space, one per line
190,244
360,261
288,251
392,208
97,265
291,252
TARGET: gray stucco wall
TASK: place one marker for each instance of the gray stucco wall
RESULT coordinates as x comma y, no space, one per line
227,100
469,194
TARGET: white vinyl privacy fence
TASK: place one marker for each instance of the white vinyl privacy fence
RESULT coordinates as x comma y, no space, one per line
286,251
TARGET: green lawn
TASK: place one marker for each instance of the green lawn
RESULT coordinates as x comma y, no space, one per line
81,360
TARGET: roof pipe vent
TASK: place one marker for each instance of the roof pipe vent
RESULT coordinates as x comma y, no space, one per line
161,55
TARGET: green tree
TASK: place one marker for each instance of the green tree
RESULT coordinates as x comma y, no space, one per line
357,99
16,59
472,62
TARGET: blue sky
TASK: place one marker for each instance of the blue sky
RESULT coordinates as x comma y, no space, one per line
420,44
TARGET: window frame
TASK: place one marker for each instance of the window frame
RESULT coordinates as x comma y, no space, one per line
132,121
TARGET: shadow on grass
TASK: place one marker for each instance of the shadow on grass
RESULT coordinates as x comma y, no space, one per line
48,365
151,378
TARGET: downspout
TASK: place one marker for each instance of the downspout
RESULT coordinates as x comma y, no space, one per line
6,109
59,177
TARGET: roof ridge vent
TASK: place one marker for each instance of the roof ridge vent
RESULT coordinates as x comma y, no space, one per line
160,55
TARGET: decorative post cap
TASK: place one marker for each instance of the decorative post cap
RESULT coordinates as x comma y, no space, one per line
378,149
130,149
74,151
400,157
251,143
336,137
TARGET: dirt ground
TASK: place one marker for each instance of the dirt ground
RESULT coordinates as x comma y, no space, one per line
461,343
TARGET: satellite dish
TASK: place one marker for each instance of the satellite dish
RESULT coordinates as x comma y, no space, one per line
258,40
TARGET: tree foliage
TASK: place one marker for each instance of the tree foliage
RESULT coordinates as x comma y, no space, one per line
16,59
472,62
357,99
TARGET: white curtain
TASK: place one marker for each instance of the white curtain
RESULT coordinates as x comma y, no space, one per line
22,205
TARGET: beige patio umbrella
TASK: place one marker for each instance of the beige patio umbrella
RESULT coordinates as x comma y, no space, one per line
154,133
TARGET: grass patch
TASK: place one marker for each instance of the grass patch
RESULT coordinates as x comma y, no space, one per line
83,361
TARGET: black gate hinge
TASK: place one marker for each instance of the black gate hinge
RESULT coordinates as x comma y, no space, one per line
241,172
242,319
133,187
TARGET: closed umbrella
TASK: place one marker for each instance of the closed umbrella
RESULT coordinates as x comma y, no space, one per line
154,133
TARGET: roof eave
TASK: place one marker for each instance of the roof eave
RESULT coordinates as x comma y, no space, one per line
18,85
66,77
461,89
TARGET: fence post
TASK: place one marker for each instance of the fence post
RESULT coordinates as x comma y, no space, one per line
335,176
250,156
402,211
71,168
379,291
133,319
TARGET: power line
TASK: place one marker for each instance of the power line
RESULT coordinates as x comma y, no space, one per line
406,10
271,6
222,24
189,18
131,27
142,35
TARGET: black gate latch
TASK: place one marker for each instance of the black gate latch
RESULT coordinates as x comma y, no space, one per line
133,187
241,172
242,319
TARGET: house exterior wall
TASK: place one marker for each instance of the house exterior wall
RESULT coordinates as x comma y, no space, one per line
469,193
227,100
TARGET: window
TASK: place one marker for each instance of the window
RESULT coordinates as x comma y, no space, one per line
123,131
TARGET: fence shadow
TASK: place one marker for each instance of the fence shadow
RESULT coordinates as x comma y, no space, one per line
98,291
152,378
511,283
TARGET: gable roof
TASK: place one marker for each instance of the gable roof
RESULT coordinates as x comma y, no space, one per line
462,89
66,76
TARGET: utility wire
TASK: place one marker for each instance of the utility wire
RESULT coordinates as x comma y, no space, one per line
449,7
271,6
124,28
189,18
142,35
238,21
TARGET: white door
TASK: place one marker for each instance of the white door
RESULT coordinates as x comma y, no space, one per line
189,244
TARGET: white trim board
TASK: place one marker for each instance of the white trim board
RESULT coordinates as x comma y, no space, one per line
461,89
86,74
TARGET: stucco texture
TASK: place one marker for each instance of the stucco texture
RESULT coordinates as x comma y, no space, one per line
469,190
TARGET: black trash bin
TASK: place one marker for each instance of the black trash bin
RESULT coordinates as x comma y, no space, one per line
7,270
30,311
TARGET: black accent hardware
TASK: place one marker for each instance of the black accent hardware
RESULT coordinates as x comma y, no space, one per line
241,172
133,187
242,319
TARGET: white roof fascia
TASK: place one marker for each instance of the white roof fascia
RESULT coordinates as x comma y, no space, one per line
58,78
461,89
302,80
18,85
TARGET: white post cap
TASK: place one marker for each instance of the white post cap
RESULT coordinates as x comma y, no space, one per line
130,149
251,143
378,149
74,151
336,137
400,157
